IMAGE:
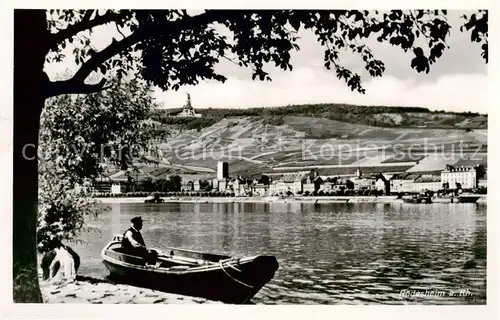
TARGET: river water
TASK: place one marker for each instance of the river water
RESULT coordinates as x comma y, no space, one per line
328,253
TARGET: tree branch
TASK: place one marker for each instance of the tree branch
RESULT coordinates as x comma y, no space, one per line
100,57
119,31
142,33
418,26
85,24
76,83
72,86
88,15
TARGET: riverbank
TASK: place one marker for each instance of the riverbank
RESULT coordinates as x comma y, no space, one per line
318,199
91,290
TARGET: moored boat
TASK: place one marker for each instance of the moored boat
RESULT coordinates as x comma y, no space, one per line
154,198
467,198
463,198
211,276
442,200
418,199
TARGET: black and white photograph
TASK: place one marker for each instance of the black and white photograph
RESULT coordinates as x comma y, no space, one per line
165,156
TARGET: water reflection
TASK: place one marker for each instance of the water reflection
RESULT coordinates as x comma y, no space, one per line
328,253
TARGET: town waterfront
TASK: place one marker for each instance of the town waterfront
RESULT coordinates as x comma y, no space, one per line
359,253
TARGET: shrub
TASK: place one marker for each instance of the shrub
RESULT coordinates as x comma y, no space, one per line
62,211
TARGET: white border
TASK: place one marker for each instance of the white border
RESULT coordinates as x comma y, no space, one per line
12,311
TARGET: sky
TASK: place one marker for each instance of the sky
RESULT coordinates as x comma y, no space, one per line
457,82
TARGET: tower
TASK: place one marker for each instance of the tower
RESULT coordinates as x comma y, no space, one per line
222,170
358,173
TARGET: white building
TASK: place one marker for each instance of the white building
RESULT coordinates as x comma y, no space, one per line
260,190
289,182
465,176
483,182
117,188
402,183
380,185
223,185
427,183
363,183
196,185
240,188
215,184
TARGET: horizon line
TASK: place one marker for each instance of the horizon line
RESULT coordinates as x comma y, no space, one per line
335,104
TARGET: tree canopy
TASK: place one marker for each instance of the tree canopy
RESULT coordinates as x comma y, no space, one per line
81,132
171,48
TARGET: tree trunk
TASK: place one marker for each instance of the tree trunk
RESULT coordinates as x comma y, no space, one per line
30,35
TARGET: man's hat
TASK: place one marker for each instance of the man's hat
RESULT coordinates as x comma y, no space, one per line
136,220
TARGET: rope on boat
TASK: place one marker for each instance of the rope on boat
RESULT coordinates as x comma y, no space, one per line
231,277
230,265
234,268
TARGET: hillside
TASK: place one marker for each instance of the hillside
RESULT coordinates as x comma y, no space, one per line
378,116
253,145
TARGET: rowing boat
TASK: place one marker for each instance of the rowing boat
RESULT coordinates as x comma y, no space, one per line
192,273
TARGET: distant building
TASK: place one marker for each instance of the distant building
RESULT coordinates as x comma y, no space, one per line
482,182
312,184
402,182
260,189
222,170
382,183
187,186
196,185
466,176
240,187
117,188
289,182
333,184
363,181
427,183
228,185
223,185
215,184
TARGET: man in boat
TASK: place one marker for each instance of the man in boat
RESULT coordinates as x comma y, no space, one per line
133,242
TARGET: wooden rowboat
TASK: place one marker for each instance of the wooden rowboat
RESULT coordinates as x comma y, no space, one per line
211,276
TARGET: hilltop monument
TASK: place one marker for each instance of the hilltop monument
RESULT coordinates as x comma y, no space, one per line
188,110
